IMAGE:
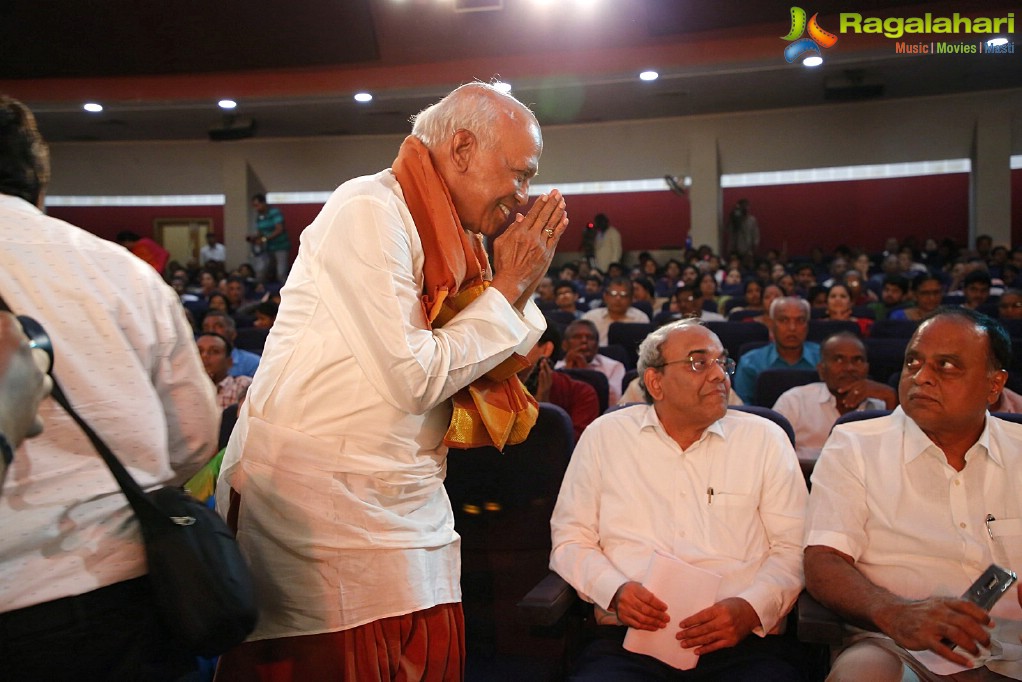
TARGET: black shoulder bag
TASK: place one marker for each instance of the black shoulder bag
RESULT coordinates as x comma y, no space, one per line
201,584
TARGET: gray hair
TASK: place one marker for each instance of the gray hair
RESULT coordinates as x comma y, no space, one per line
651,349
788,300
476,107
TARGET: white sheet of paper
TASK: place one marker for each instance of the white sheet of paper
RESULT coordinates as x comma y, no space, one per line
686,590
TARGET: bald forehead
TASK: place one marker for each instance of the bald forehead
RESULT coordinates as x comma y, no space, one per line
844,344
693,339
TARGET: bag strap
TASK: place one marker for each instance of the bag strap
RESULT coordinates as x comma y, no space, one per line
140,504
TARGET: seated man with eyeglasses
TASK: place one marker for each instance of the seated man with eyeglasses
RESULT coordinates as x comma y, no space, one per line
683,476
846,387
617,307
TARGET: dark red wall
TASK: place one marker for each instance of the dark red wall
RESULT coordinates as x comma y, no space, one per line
856,213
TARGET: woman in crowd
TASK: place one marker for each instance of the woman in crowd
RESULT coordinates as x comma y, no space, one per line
927,292
839,307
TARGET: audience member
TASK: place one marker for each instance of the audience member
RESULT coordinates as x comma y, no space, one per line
243,363
544,297
908,510
75,601
606,245
845,387
839,307
790,321
617,307
146,249
927,292
215,352
339,452
592,291
218,302
581,346
212,251
265,314
688,302
976,287
566,297
805,279
892,297
683,476
742,230
666,285
771,292
1009,307
546,385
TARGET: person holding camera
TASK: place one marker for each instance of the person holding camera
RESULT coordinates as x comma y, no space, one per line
75,602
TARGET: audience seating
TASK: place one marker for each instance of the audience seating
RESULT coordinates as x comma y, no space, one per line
559,318
598,380
619,353
893,329
821,329
772,382
644,306
733,334
885,355
751,345
741,315
629,335
251,339
502,506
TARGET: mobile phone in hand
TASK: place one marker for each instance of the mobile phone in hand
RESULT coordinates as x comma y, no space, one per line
990,587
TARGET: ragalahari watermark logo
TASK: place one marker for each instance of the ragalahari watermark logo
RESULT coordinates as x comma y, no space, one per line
817,36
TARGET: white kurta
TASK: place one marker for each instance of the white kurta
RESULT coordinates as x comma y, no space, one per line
337,453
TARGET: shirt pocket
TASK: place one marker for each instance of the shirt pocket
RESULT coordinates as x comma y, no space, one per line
735,527
1007,538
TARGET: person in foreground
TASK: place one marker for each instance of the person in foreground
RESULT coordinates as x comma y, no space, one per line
392,343
908,510
682,475
75,601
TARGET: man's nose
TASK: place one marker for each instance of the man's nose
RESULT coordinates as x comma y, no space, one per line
522,193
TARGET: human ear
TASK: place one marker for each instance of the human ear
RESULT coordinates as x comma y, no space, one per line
463,146
651,378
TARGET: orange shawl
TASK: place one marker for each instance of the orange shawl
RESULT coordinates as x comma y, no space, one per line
496,408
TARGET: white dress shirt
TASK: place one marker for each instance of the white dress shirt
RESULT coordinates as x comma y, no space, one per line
216,252
812,411
601,318
609,367
631,490
128,363
885,495
337,452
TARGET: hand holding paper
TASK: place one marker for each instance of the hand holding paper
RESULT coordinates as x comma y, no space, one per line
723,625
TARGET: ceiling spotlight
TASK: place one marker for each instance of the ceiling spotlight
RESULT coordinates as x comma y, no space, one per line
363,97
812,61
92,107
649,75
227,104
501,86
997,42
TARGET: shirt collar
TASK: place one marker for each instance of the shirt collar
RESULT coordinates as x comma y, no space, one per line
916,442
18,204
652,421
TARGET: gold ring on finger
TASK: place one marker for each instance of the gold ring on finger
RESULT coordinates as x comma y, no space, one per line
549,231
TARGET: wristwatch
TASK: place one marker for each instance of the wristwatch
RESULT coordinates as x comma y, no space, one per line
6,451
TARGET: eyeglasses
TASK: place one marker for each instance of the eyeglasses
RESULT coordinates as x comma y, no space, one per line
617,294
1009,305
701,364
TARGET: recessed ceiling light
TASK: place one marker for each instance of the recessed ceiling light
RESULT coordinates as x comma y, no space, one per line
812,61
227,104
92,107
501,86
363,97
997,41
649,75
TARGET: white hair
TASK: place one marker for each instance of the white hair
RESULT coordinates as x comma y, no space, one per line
476,107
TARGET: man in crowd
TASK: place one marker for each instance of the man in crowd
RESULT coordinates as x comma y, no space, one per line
790,317
566,297
617,307
976,287
578,398
391,333
215,352
74,597
846,387
717,489
212,251
689,300
908,510
270,241
892,296
243,363
1009,307
581,351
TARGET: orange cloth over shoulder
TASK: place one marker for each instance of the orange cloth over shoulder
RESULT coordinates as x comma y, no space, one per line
495,409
